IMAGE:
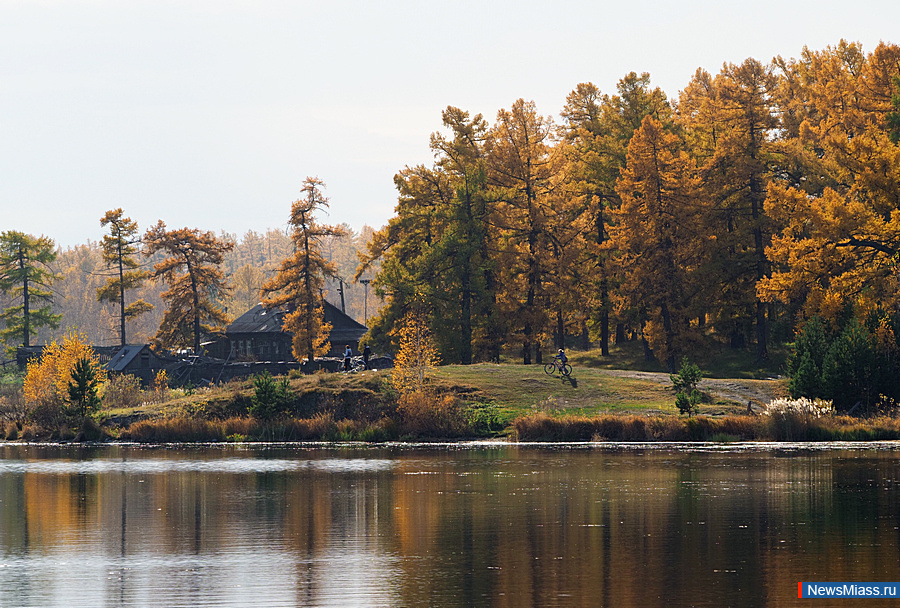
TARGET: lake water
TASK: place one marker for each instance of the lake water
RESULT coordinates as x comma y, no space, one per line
454,525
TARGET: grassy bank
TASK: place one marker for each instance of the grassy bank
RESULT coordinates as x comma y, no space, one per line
322,406
482,400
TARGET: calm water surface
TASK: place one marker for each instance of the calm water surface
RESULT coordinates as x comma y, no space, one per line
461,525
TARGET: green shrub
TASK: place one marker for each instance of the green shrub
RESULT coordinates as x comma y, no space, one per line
271,397
83,387
804,366
687,397
850,369
484,418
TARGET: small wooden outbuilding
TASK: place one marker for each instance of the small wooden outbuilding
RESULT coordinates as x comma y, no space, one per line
138,360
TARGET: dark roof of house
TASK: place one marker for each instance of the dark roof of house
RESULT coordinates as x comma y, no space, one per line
257,320
126,355
260,320
342,320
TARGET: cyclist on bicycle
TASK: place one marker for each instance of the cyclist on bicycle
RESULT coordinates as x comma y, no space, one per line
560,363
561,358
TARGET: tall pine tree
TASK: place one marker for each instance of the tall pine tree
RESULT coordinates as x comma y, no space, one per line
26,275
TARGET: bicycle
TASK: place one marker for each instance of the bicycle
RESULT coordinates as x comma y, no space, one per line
563,368
357,364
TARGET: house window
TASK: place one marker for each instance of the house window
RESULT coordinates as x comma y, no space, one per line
240,347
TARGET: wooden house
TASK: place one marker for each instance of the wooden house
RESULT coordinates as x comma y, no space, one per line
257,334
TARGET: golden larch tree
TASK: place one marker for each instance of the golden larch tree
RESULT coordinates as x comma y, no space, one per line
655,235
521,168
119,249
47,377
731,122
299,284
416,353
840,236
195,283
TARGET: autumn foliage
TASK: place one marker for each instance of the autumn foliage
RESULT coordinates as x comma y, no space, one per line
416,354
120,249
761,195
48,377
300,281
192,271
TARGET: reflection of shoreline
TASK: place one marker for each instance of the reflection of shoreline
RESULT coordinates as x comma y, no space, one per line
508,525
225,466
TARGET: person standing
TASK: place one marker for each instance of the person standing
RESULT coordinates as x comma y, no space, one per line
348,354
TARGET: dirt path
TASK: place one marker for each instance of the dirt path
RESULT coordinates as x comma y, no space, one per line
741,392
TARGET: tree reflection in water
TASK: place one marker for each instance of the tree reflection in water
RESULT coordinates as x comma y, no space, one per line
498,525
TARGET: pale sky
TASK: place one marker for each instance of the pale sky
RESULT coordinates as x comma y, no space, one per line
210,113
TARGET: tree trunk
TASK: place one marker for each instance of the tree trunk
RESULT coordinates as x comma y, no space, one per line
667,327
560,330
604,333
465,354
757,196
26,326
762,332
121,293
196,312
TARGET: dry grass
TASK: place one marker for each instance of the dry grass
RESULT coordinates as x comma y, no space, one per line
322,427
788,427
424,414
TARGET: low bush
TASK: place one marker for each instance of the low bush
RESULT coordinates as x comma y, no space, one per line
425,414
122,391
171,430
685,382
484,419
12,404
89,430
11,431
